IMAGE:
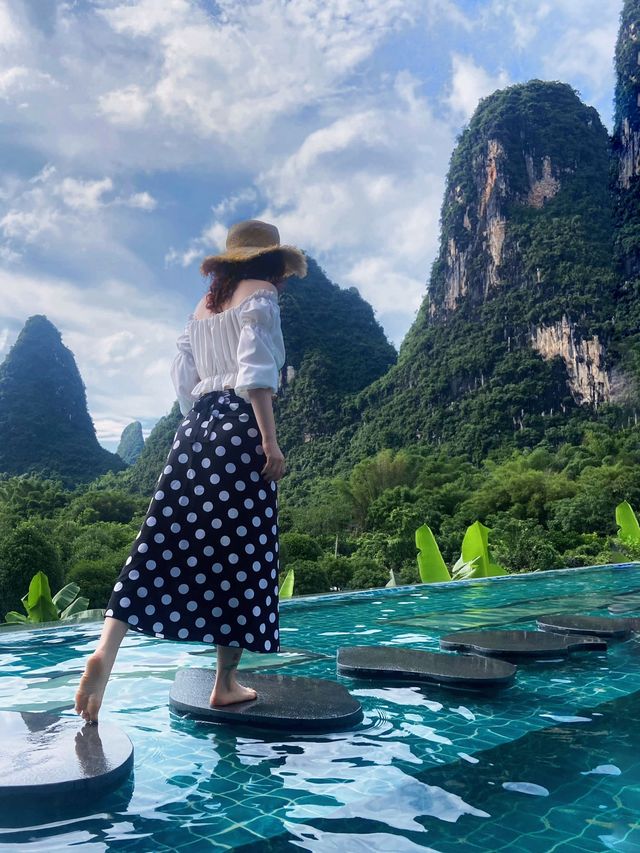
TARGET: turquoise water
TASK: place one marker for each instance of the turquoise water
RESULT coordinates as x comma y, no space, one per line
550,764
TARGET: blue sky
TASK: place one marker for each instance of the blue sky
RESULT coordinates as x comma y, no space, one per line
134,132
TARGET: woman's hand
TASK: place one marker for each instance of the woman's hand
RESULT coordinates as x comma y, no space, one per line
275,465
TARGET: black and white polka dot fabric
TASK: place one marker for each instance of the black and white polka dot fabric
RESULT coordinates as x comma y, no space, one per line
204,566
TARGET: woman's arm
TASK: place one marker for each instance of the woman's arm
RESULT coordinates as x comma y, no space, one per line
275,465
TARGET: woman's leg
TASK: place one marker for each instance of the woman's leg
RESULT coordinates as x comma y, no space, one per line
226,688
98,669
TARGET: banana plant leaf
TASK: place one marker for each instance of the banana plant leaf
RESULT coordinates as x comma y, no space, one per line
13,617
63,598
619,557
39,604
286,590
629,529
78,606
87,615
475,545
431,566
462,570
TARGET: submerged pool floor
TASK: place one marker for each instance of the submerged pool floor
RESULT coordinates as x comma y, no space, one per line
549,764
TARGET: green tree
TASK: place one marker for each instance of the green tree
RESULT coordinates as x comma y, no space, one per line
100,540
24,552
339,571
106,505
522,546
367,574
297,546
373,476
310,577
96,578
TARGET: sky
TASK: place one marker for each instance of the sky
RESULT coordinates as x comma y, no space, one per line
135,132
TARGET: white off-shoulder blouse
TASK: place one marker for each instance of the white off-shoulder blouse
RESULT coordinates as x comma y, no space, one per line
240,348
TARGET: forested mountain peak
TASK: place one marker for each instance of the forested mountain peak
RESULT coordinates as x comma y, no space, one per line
517,331
45,426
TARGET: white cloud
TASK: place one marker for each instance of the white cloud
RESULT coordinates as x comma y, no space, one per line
142,201
572,41
148,17
180,85
526,19
229,205
126,106
9,30
585,55
213,237
68,212
448,10
29,225
365,192
469,83
19,79
83,195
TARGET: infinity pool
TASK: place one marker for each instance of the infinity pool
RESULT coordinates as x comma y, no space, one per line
550,764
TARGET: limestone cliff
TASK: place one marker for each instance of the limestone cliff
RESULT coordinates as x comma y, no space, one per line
584,359
514,334
503,179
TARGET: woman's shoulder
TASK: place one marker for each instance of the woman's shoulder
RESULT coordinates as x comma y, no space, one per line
243,298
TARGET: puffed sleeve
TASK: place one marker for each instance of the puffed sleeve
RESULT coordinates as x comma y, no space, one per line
184,373
261,352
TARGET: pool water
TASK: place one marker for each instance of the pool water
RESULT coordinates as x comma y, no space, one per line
549,764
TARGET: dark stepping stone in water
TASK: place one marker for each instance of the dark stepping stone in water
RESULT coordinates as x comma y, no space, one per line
626,602
397,662
596,626
44,756
290,703
531,644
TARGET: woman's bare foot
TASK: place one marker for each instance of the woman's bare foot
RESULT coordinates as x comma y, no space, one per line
92,687
235,693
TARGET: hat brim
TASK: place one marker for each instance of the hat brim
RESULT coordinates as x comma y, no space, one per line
295,260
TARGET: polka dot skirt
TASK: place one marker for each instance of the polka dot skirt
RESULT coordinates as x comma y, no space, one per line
204,566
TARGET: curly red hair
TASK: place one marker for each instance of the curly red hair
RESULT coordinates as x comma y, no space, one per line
225,276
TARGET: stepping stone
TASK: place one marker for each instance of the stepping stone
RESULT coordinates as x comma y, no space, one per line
626,602
596,626
46,756
291,703
397,662
531,644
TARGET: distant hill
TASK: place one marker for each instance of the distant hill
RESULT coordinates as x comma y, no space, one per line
131,443
45,426
141,477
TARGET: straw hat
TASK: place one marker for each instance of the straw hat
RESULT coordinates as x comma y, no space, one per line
251,238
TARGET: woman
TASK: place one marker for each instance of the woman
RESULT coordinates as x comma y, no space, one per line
203,567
